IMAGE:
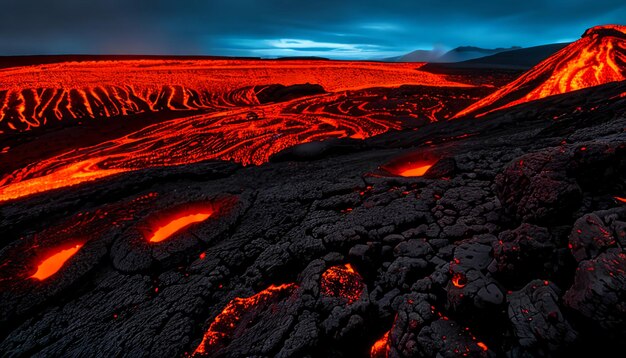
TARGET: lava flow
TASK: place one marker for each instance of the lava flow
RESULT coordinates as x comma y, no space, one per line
599,57
232,316
343,282
53,263
620,199
36,96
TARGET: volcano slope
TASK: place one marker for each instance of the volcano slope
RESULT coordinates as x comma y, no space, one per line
599,57
511,242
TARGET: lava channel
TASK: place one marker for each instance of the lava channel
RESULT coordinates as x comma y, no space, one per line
343,282
230,318
53,263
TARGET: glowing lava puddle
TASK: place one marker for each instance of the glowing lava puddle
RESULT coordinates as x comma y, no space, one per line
53,263
179,223
415,171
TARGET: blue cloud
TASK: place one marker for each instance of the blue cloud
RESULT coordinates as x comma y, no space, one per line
271,28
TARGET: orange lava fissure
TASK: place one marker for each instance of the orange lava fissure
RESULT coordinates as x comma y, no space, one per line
380,349
53,263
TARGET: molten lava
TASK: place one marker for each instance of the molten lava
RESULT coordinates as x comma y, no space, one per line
178,224
380,349
459,280
53,263
599,57
342,282
236,119
230,318
411,165
162,225
623,200
415,170
35,96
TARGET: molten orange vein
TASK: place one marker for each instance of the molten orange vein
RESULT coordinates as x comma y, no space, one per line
172,227
380,349
50,265
623,200
226,322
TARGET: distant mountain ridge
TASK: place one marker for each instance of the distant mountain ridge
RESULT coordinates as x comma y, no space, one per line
462,53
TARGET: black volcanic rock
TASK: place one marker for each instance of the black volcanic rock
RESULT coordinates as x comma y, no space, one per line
537,321
536,187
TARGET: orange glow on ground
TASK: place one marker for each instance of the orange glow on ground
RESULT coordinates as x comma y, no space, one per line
597,58
178,224
53,263
380,349
343,282
227,321
417,171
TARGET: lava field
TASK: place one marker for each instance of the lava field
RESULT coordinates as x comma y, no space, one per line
314,208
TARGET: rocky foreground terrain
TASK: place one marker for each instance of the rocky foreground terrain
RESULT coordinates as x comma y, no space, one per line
512,243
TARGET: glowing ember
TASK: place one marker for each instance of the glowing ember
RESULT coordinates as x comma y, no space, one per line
54,262
178,224
482,346
597,58
228,320
415,171
459,280
342,281
380,349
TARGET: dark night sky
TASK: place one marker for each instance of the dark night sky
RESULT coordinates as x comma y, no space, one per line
362,29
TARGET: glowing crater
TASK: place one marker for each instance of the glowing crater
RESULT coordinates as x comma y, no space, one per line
53,263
